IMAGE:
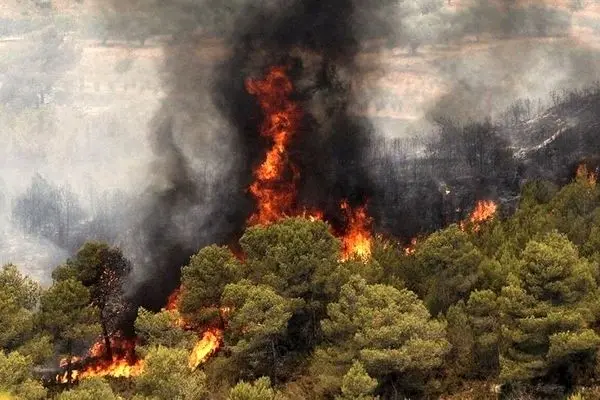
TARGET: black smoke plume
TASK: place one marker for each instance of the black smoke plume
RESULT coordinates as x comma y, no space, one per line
186,210
317,41
207,140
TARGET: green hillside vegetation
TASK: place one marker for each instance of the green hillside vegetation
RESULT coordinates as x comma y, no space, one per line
508,310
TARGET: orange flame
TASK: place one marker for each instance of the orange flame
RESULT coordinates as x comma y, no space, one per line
173,300
357,240
173,305
410,249
274,187
118,368
274,194
206,347
65,361
211,339
484,210
123,362
584,175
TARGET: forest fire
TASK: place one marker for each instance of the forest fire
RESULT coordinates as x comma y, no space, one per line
211,339
274,191
207,346
410,249
584,174
118,368
122,364
356,242
274,187
173,305
173,300
484,210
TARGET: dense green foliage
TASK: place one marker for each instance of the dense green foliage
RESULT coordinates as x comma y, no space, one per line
90,389
508,306
167,376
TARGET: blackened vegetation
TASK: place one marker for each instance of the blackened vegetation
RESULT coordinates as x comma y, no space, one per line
571,130
464,163
50,212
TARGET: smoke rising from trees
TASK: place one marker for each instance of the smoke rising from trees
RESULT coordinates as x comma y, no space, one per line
204,138
206,142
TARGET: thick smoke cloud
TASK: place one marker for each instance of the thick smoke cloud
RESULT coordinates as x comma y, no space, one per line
206,142
185,208
318,42
463,60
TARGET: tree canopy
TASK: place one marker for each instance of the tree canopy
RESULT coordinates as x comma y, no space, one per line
511,304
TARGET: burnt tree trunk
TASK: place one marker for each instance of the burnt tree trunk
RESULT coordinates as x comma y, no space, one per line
108,355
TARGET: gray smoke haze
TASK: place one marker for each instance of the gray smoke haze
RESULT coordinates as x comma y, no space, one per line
123,107
72,151
338,44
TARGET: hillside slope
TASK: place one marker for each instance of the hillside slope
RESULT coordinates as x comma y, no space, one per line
551,145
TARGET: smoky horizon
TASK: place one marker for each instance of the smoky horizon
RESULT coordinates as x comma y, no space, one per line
131,123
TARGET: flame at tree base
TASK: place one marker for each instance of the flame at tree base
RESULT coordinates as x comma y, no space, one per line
127,366
173,300
206,347
583,174
484,211
117,368
410,249
211,339
122,364
357,241
274,187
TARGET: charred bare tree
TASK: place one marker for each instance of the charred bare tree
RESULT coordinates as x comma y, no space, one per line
50,212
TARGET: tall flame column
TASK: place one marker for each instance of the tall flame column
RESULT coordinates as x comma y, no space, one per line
274,187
